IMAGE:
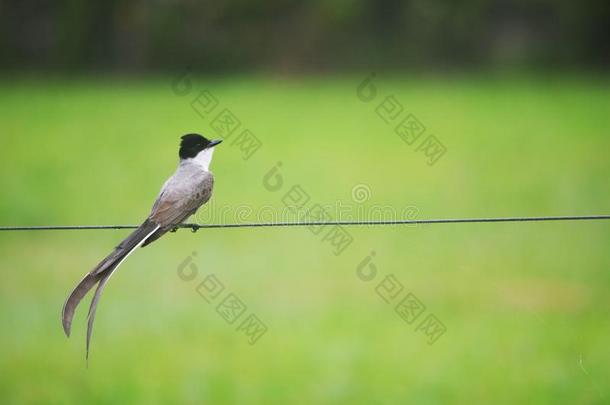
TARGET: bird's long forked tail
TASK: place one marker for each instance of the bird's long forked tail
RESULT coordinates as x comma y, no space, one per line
100,275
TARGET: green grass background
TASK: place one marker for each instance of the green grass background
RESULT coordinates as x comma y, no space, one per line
526,306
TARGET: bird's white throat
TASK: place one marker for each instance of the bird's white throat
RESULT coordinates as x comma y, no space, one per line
203,159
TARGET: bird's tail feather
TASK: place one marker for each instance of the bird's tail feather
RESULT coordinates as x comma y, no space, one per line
93,307
100,288
101,273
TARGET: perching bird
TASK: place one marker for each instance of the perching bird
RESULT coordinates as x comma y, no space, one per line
181,196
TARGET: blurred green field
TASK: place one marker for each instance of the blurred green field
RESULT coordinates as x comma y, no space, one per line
526,306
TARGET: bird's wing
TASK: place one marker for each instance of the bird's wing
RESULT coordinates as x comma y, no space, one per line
177,202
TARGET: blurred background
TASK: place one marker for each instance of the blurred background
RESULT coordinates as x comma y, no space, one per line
367,109
302,36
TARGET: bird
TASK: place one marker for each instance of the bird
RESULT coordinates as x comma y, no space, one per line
181,196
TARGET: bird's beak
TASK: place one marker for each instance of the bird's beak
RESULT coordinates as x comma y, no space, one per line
214,143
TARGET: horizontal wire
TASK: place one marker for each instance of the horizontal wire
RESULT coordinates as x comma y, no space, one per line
196,227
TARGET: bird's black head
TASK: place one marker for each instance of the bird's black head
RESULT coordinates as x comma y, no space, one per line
192,144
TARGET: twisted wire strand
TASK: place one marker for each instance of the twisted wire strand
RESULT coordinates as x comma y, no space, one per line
195,227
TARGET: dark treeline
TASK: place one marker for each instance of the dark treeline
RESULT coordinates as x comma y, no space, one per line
291,35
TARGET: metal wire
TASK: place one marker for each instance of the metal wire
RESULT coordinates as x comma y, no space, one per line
195,227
